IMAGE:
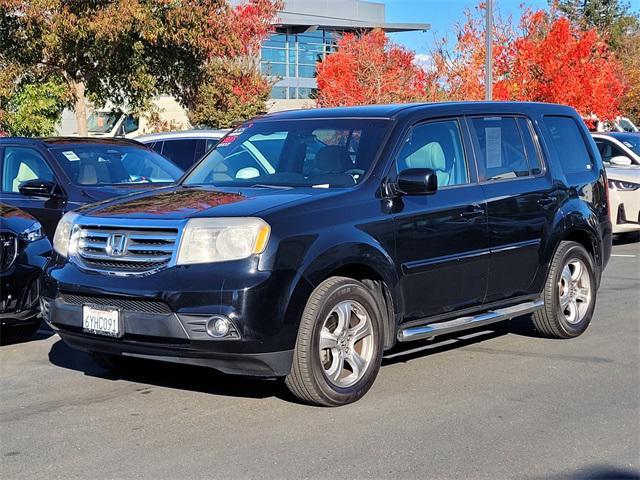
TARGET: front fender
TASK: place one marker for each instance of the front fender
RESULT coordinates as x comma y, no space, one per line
310,259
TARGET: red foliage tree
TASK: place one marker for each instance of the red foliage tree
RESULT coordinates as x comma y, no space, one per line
369,69
545,59
558,63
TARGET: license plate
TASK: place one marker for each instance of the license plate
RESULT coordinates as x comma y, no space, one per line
101,321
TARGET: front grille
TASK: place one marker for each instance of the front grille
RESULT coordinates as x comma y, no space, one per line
143,306
8,250
125,251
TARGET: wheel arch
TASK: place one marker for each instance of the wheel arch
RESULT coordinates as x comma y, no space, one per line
362,262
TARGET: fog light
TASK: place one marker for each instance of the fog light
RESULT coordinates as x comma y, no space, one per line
218,326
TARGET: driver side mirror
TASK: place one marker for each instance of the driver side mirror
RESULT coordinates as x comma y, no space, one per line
416,181
621,161
39,188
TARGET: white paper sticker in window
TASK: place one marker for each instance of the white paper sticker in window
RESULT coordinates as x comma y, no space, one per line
71,156
493,142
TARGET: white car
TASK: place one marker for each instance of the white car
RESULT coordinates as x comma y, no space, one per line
621,155
183,148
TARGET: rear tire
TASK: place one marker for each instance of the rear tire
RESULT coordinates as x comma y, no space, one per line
339,347
569,293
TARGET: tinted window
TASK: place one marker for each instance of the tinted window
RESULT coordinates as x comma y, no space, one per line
22,164
157,146
322,153
436,145
608,150
180,152
528,134
501,147
631,141
569,144
96,164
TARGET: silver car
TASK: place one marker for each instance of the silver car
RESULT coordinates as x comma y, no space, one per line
621,155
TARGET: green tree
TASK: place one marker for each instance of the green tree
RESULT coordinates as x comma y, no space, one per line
613,18
234,91
34,109
126,51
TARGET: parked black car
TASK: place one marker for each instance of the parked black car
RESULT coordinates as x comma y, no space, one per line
24,251
277,257
50,176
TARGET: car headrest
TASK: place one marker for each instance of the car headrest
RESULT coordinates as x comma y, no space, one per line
333,159
87,174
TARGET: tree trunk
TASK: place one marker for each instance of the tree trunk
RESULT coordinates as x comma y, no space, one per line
80,109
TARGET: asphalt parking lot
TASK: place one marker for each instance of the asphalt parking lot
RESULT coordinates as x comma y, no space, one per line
496,404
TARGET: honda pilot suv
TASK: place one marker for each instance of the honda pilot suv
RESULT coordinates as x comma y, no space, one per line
308,243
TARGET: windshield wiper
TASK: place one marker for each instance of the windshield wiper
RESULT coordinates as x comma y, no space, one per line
266,185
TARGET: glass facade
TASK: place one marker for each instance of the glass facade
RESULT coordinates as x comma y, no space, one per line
292,59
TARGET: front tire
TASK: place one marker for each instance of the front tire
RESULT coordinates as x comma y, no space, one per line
339,347
569,293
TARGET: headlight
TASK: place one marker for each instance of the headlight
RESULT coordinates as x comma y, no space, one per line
208,240
33,233
623,186
62,238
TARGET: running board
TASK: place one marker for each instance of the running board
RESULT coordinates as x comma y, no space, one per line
463,323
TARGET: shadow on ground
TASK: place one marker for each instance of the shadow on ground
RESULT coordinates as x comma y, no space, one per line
205,380
627,238
168,375
14,336
599,472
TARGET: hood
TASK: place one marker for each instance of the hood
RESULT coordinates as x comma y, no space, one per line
14,219
176,203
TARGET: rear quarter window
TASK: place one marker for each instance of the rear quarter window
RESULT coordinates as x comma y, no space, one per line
569,144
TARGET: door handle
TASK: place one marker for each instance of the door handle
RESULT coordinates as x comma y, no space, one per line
472,212
546,201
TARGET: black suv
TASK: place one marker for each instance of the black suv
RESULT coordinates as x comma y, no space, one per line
307,243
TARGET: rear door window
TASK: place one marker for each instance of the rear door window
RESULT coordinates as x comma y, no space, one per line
568,143
505,147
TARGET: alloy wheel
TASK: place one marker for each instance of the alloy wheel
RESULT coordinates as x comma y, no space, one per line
346,343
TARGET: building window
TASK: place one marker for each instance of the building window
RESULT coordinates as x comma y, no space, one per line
279,92
306,71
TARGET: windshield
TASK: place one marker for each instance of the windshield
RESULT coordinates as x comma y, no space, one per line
322,153
632,141
102,122
627,125
103,164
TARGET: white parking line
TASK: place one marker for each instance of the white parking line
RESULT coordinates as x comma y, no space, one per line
623,255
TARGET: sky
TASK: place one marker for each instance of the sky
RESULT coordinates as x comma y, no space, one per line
441,15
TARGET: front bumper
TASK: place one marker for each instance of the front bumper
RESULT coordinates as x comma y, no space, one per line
20,285
22,318
625,210
164,314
